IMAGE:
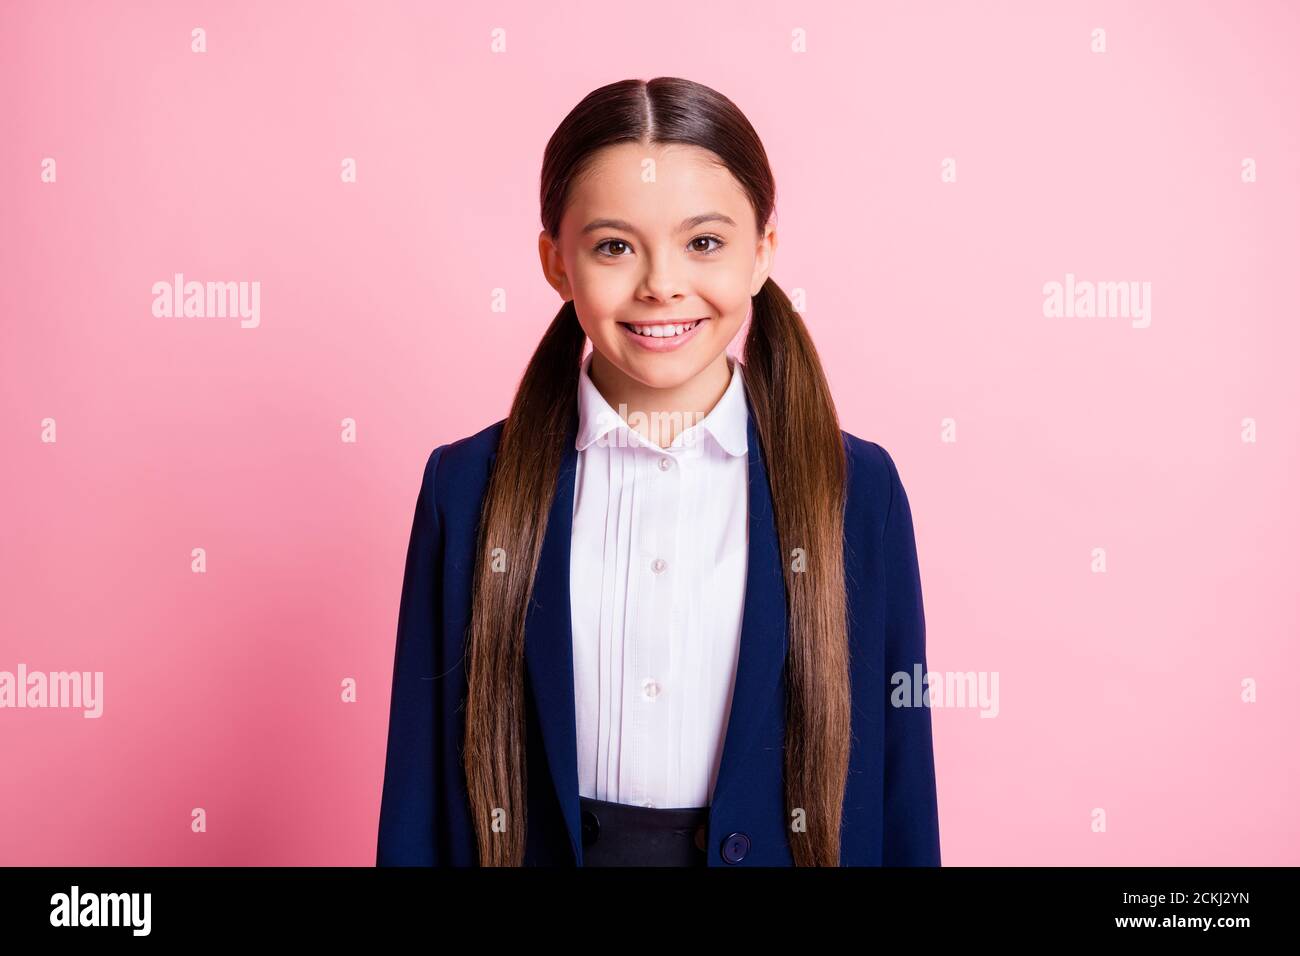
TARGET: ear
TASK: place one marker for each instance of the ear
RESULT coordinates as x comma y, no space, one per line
553,265
764,259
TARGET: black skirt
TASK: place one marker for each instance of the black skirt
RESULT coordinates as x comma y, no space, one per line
620,834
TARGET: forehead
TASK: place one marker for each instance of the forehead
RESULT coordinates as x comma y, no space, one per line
687,180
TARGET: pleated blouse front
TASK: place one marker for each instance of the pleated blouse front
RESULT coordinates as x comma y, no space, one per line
657,585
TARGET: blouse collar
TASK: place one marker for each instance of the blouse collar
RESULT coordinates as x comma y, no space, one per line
727,421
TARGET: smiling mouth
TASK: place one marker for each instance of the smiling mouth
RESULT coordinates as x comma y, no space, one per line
663,331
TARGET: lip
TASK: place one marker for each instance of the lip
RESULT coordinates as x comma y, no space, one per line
662,345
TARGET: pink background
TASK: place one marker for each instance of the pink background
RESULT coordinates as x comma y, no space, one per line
222,690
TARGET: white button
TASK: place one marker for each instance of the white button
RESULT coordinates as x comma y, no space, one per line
665,463
650,688
658,565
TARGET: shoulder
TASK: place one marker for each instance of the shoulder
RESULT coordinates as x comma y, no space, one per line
871,467
460,468
471,450
874,485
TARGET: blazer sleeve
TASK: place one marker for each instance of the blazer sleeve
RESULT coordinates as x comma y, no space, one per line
409,805
911,824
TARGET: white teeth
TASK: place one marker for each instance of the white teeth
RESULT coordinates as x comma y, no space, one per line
662,331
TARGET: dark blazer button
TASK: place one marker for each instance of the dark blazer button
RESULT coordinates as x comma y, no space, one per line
590,827
735,846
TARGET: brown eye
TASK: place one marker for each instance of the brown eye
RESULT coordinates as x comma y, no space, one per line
611,242
706,251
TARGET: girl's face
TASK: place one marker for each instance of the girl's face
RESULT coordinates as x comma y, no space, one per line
655,235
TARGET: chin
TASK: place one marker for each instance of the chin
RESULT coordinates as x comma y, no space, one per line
660,371
667,378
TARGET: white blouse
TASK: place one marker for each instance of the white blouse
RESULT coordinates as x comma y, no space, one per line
657,584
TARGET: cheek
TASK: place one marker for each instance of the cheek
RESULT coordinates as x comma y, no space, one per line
602,291
727,294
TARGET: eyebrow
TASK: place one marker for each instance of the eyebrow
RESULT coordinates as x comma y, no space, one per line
625,226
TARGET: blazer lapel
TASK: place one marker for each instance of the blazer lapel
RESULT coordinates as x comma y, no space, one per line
548,640
548,646
763,629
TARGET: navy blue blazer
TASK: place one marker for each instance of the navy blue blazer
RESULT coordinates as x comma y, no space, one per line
890,804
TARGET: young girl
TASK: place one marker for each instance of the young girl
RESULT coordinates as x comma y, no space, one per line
655,615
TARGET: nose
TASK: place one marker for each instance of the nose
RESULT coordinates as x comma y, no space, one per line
662,281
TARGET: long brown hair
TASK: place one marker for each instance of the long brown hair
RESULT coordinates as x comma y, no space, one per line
804,451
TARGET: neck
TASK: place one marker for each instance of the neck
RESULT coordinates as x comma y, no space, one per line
659,415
